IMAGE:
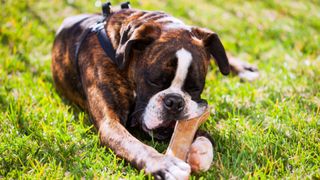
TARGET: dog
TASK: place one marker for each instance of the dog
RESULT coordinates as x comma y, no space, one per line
156,77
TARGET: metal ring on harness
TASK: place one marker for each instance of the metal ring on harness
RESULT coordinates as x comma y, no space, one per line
125,5
106,9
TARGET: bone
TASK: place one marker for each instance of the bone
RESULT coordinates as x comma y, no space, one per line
183,135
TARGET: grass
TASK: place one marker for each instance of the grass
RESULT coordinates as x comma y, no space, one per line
267,129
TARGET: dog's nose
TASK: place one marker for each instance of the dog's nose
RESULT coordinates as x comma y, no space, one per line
174,103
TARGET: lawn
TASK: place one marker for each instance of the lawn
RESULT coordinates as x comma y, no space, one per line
269,128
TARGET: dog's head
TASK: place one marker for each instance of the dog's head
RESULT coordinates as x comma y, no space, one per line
168,64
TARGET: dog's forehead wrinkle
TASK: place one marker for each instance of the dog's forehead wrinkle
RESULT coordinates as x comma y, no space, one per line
172,23
167,22
170,19
149,14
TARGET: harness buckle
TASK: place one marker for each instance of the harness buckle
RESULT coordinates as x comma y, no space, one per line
98,26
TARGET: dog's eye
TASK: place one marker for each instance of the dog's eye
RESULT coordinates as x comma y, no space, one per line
154,83
193,89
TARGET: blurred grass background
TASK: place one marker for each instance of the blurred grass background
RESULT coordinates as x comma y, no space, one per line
269,128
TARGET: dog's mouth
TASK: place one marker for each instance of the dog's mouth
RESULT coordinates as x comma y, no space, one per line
163,132
165,129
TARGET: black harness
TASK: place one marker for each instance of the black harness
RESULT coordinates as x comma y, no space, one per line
99,30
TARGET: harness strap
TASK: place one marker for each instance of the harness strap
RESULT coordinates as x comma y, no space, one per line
106,44
99,30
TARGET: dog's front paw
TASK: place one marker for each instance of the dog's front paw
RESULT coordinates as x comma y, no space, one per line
168,167
200,154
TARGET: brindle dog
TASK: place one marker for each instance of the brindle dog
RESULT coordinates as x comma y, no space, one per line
157,77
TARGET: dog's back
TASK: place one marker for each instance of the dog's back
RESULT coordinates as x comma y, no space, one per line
63,66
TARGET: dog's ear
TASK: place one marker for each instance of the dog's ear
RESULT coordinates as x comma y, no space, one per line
214,46
135,39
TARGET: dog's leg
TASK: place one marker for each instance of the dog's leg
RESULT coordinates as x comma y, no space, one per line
115,136
245,71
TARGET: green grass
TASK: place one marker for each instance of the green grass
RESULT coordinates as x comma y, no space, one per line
269,128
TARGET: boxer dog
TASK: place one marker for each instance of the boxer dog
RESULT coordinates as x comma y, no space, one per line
155,78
